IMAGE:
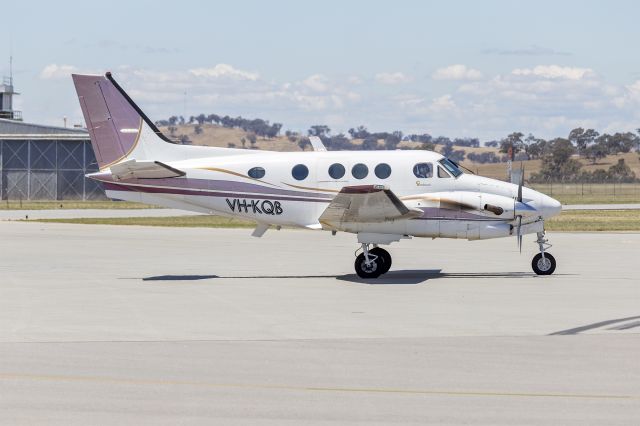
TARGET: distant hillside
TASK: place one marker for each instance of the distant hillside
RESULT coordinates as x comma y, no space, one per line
215,135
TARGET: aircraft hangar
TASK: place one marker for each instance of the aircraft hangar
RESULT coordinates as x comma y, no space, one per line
41,162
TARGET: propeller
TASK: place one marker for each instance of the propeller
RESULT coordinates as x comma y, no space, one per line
519,200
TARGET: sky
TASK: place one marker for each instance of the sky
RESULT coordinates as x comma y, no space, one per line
454,68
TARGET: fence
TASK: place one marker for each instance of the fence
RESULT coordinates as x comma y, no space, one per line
603,192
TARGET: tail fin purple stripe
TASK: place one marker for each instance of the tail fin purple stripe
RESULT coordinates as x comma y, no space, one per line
107,113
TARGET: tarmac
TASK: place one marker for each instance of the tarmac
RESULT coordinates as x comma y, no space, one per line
145,325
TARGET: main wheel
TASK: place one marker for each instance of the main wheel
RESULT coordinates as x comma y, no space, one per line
543,266
385,256
372,270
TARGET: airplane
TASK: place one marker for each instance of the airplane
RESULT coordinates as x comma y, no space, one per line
380,196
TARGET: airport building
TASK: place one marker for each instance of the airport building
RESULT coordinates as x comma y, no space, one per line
40,162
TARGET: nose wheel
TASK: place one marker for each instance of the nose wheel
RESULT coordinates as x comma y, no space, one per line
372,263
543,263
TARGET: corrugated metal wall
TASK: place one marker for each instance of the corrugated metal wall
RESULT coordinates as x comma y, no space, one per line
47,170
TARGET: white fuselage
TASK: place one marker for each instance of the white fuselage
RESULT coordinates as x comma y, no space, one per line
221,185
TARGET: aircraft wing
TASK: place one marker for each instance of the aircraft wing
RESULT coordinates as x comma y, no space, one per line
365,203
143,170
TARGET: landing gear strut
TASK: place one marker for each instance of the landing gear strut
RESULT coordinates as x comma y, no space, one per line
543,263
372,263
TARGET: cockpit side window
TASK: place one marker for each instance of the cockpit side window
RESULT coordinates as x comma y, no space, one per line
442,173
423,170
451,167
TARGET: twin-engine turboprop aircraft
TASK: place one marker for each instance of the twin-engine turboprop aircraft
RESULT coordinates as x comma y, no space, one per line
381,196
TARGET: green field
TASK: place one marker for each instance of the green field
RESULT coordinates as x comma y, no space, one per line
595,220
570,220
199,221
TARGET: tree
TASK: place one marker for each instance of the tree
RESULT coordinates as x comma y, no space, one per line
534,147
391,141
243,141
358,133
319,130
197,129
370,143
456,155
172,129
581,138
201,119
252,139
173,120
512,142
596,151
557,165
184,140
621,172
303,143
621,142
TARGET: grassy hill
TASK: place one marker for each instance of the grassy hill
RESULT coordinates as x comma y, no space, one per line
214,135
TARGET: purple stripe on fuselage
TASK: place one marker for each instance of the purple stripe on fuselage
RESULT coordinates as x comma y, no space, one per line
154,190
218,185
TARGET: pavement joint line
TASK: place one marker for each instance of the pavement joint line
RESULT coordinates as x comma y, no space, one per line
127,381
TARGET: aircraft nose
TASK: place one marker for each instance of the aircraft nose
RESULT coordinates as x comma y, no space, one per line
549,206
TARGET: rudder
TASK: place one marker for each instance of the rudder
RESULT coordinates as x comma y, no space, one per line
113,123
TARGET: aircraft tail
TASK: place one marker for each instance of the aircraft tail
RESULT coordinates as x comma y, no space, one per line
114,121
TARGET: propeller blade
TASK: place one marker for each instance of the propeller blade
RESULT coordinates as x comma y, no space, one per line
519,233
521,183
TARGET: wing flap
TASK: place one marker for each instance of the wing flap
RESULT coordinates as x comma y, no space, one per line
143,170
365,204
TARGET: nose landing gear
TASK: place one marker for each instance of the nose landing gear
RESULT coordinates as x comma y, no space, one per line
372,263
543,263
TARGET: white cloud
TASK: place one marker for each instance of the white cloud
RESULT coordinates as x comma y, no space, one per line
317,83
55,71
225,71
456,72
545,100
555,71
392,78
442,103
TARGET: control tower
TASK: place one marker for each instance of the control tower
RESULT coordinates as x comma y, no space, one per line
6,99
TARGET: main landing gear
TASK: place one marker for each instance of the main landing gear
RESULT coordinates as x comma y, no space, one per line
372,263
543,263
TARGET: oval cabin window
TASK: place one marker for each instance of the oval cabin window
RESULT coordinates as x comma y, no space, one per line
256,172
300,172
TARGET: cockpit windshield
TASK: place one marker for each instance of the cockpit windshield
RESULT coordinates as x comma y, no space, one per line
451,167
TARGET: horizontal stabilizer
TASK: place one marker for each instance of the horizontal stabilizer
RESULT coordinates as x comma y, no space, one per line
131,169
317,144
365,204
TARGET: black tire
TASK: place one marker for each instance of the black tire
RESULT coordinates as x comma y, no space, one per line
371,271
385,256
541,267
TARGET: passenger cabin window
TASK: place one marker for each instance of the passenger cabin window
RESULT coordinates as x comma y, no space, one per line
336,170
300,172
382,170
360,171
451,167
442,173
423,170
256,172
